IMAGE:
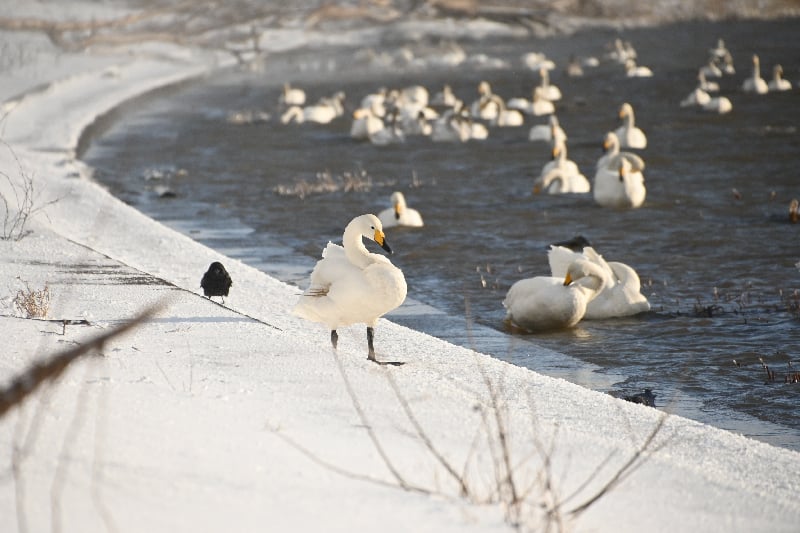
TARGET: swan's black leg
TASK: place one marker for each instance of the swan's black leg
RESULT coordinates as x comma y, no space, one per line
370,337
371,353
334,338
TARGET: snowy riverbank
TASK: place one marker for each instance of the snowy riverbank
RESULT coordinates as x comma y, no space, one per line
196,420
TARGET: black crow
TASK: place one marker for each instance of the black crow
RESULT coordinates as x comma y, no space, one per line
216,281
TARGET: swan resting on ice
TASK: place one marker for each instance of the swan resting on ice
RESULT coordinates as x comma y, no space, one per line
351,285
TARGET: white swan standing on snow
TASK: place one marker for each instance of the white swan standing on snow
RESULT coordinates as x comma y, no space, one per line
619,184
350,285
400,214
547,303
778,83
628,134
621,293
755,83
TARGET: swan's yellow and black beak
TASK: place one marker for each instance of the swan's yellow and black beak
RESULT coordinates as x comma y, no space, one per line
380,238
567,280
397,211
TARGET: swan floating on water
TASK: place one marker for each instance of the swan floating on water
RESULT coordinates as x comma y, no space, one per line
292,96
619,184
551,132
632,70
561,175
400,214
322,112
548,303
778,83
621,293
755,83
630,136
618,180
351,285
537,106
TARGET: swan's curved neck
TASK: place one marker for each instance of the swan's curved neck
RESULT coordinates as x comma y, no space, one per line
354,248
629,118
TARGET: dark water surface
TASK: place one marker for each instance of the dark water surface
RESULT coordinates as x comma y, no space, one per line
712,244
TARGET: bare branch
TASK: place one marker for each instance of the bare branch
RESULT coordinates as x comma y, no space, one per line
38,373
460,479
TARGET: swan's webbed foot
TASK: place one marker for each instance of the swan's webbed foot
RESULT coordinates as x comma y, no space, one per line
334,338
371,352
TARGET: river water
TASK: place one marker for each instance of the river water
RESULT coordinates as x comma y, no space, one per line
712,244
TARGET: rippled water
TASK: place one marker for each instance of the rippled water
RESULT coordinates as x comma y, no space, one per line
712,243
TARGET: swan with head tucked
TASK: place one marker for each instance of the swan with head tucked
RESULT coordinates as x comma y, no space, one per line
755,83
619,184
350,285
537,106
400,214
621,293
548,303
323,112
632,70
629,135
551,132
505,117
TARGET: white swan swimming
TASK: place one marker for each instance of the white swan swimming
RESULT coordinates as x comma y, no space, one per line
292,96
537,61
714,104
400,214
621,293
611,153
537,106
548,90
628,134
632,70
547,303
704,84
551,132
778,83
619,184
446,98
365,123
485,107
350,285
322,112
561,175
506,117
755,83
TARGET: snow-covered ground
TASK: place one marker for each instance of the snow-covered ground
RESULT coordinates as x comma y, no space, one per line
241,418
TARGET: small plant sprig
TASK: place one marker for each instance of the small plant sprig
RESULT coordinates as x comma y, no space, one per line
32,303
